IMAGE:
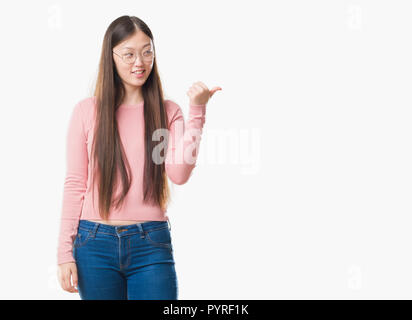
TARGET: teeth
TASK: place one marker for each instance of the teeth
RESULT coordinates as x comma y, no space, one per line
138,72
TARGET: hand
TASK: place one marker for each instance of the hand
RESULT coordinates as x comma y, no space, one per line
200,94
64,272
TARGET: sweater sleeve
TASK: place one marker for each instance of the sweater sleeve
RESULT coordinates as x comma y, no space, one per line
183,143
74,185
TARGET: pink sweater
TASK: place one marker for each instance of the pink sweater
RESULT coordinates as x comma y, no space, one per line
77,195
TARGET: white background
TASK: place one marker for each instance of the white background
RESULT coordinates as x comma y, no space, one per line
316,200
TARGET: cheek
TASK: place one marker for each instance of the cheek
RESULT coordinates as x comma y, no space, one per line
124,72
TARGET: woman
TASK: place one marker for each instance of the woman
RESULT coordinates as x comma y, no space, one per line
117,244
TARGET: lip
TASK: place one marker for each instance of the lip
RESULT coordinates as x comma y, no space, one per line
139,75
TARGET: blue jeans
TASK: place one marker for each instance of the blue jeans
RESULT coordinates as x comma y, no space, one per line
128,262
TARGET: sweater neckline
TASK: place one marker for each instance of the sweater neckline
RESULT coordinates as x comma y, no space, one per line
131,106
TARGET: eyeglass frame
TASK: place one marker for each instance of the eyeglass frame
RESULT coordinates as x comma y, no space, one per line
121,57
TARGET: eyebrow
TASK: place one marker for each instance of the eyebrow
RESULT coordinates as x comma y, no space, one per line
147,44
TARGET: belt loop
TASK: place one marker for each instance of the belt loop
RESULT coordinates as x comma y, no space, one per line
94,230
170,225
139,226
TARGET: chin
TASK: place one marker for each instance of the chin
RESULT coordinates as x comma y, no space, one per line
136,83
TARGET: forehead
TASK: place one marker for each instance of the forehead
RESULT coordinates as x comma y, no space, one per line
138,40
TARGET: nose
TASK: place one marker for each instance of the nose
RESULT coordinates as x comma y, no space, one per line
139,61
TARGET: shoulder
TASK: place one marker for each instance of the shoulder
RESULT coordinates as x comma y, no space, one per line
173,111
172,108
88,103
88,106
170,105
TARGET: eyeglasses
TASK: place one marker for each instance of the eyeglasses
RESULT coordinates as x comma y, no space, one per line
131,57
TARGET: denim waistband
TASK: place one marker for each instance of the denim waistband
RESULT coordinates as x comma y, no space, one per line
142,227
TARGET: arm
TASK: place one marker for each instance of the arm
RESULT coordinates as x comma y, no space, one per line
74,185
184,140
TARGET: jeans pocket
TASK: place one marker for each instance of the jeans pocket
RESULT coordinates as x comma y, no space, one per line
82,238
160,237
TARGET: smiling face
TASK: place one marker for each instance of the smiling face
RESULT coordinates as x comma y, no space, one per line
136,45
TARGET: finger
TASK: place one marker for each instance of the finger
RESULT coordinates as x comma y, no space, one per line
197,87
71,287
73,290
74,278
213,91
199,84
66,282
202,85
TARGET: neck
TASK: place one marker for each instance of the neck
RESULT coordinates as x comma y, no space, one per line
133,95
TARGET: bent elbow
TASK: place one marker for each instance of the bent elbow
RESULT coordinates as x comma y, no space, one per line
179,174
179,180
